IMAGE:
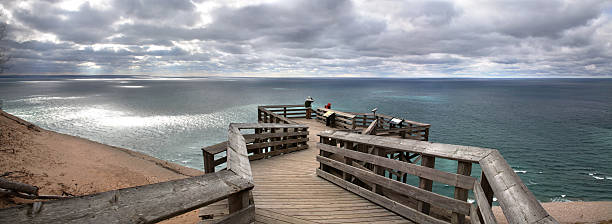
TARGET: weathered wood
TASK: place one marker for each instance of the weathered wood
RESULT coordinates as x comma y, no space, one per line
243,216
275,118
483,205
275,143
18,187
143,204
426,184
398,208
277,152
216,148
474,219
281,106
278,217
452,179
339,113
238,201
448,151
405,189
371,129
266,125
237,155
517,202
209,162
274,135
463,168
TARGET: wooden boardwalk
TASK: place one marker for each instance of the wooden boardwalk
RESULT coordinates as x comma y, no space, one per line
287,190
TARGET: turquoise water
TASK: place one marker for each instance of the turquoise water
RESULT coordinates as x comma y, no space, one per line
555,133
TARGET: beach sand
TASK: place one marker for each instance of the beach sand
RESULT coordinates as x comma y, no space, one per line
61,164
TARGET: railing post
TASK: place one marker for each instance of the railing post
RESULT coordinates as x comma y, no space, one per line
259,118
426,184
354,122
463,168
378,170
285,138
209,162
347,161
284,111
488,191
238,201
257,140
322,153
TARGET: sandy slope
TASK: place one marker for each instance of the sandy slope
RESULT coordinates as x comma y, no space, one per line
62,164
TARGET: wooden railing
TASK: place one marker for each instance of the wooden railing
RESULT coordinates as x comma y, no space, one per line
155,202
269,139
282,113
342,119
378,168
359,121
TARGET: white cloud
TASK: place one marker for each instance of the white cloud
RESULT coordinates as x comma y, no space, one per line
553,38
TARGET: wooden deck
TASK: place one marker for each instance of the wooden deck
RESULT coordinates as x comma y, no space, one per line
288,190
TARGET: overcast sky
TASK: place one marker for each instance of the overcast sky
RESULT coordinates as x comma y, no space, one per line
320,38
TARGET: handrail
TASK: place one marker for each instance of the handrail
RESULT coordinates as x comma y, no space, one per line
384,127
380,175
144,204
155,202
270,139
273,113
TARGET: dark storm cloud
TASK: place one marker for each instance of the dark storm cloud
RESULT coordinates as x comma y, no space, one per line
318,37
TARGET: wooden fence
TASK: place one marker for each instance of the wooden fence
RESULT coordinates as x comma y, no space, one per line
378,168
155,202
269,139
359,121
282,113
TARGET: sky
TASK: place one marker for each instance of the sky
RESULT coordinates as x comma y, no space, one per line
309,38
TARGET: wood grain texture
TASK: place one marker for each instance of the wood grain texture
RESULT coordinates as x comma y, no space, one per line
448,151
517,202
144,204
452,179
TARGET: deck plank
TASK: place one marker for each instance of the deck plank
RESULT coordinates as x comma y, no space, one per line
287,188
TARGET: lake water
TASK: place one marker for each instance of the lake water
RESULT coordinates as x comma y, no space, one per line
555,133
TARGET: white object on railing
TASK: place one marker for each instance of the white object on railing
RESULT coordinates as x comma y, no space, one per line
396,121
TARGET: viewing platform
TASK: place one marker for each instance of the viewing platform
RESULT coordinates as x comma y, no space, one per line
305,165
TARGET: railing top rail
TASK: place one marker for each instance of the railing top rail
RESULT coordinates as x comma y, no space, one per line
216,148
517,202
266,125
379,115
345,114
448,151
142,204
277,116
281,106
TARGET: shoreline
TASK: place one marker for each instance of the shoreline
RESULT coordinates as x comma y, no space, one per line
64,164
